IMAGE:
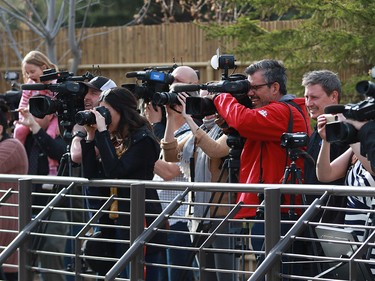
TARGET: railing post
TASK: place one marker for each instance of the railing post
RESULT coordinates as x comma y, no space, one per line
24,214
137,223
272,218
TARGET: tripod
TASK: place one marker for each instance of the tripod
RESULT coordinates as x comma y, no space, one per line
295,175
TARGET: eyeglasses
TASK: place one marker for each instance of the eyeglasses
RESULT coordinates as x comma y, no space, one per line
257,87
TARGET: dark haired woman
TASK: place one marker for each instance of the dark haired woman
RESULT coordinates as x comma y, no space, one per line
13,160
128,150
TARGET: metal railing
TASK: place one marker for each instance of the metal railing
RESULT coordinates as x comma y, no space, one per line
275,256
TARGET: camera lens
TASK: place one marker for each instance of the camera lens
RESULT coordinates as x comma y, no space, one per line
85,118
169,98
88,118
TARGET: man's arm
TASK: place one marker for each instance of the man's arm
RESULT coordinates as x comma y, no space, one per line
166,170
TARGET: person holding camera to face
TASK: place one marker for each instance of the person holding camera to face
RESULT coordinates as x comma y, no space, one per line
171,171
322,89
353,166
273,113
128,149
44,153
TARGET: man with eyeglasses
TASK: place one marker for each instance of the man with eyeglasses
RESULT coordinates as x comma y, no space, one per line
273,113
263,160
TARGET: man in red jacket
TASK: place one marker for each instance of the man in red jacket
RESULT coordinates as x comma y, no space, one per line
273,113
263,159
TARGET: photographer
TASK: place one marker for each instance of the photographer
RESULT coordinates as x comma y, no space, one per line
322,89
127,150
43,153
94,88
354,167
262,126
207,145
274,112
171,171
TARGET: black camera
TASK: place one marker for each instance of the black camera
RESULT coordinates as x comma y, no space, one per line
337,131
12,97
294,140
237,85
165,98
152,80
88,118
68,99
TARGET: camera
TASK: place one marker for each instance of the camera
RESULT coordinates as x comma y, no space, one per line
88,118
165,98
235,84
68,99
205,106
12,97
337,131
152,80
364,110
294,140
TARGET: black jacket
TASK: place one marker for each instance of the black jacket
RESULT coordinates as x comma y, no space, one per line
136,163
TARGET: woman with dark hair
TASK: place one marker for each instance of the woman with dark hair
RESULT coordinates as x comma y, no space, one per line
128,150
13,160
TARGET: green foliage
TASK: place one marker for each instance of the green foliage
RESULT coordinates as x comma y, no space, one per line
334,34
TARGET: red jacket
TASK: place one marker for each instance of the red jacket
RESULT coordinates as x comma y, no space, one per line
262,128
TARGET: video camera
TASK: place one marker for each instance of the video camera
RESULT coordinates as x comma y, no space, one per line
294,140
150,81
12,97
337,131
68,100
235,84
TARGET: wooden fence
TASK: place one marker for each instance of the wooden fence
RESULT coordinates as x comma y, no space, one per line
113,51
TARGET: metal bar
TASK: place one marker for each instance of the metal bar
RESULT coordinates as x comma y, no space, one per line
274,253
25,215
145,236
22,235
137,224
82,232
272,228
208,241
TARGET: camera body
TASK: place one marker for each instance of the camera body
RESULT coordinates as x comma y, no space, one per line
337,131
151,80
294,140
88,118
68,100
236,84
364,110
165,98
12,97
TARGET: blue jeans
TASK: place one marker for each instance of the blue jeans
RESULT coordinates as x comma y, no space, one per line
177,256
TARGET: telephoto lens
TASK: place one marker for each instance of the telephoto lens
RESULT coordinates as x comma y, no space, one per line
88,118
